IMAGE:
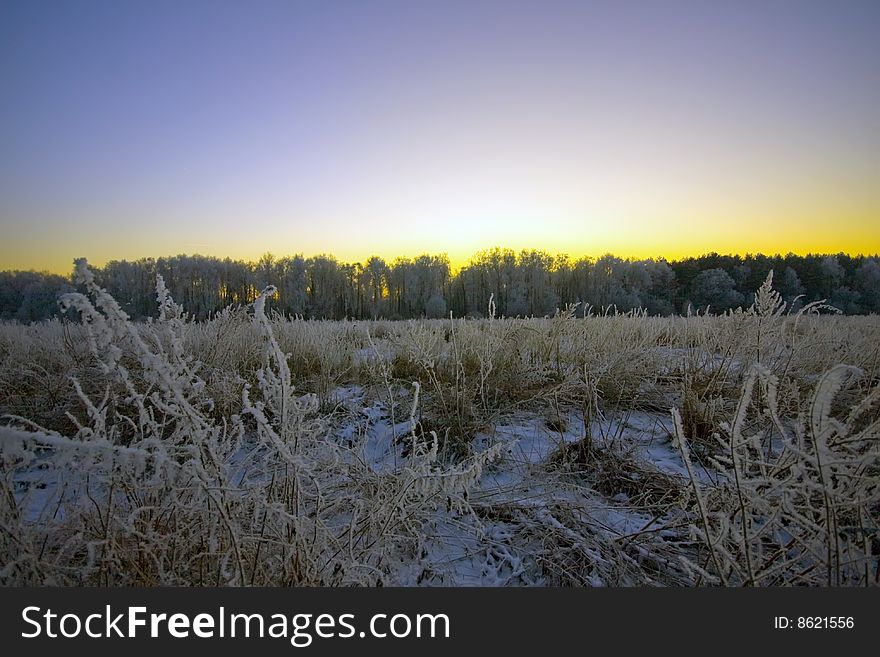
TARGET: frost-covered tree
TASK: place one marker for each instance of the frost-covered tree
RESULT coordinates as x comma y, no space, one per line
657,299
715,289
435,308
530,282
832,275
789,285
867,284
324,287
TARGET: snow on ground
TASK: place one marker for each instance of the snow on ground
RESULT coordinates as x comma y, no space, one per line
491,548
36,488
517,503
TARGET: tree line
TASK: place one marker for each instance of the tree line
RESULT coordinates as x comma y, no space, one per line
528,283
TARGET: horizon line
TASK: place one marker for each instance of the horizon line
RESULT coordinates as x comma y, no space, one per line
453,268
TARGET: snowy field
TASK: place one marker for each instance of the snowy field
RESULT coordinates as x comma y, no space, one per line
623,450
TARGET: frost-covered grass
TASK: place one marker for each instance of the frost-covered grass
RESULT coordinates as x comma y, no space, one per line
604,450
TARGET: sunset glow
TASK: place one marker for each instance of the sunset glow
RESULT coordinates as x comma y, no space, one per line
646,129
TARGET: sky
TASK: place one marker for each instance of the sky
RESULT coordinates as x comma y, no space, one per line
645,129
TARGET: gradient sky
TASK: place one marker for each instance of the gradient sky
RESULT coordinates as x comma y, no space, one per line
131,129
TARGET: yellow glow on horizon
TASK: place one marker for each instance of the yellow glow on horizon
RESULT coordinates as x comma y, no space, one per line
591,129
632,210
636,237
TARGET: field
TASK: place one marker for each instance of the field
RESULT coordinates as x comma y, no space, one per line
609,450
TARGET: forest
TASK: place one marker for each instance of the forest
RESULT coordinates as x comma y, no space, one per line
525,284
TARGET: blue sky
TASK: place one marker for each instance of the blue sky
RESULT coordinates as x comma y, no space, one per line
131,129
